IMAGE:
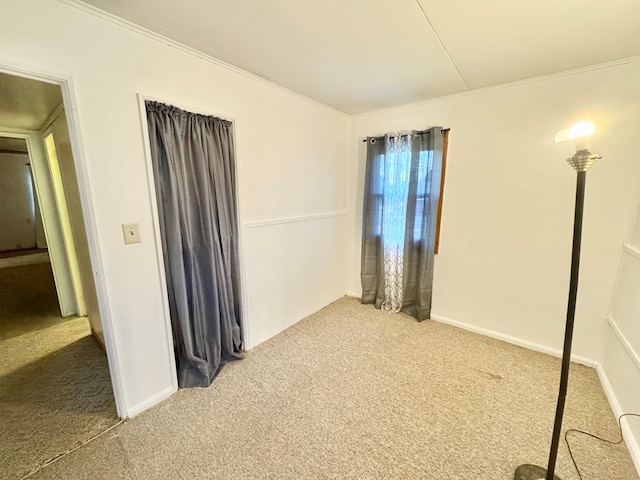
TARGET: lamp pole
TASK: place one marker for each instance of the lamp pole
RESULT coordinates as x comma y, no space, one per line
581,161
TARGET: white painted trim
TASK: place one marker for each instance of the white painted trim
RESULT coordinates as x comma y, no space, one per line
625,343
627,434
631,250
157,242
64,219
191,51
26,71
150,402
301,218
514,340
353,294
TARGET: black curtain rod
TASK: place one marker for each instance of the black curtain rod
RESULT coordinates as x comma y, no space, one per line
419,132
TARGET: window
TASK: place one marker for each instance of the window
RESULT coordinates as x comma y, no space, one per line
393,175
401,218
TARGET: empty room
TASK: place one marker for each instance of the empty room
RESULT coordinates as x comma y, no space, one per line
337,239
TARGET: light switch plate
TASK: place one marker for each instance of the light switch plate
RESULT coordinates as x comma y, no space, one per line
131,232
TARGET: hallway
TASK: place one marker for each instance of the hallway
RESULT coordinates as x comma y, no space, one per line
55,389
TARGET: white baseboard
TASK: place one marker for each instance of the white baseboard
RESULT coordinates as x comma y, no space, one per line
629,438
514,340
150,402
352,294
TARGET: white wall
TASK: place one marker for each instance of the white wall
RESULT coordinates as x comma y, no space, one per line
292,162
509,197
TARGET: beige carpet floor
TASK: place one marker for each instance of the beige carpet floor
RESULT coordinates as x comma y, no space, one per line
352,392
55,389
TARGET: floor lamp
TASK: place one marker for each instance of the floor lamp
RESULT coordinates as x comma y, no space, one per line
581,161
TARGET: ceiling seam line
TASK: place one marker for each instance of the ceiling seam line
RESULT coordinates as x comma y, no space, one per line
455,67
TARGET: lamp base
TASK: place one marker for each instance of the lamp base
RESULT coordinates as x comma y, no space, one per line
532,472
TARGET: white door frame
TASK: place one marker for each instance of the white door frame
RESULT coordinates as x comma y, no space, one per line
82,177
65,221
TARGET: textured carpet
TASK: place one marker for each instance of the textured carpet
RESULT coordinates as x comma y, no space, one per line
55,390
28,300
352,392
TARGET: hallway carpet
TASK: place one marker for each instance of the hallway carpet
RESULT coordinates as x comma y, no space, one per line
353,392
55,389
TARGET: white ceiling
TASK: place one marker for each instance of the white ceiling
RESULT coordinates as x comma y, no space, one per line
363,55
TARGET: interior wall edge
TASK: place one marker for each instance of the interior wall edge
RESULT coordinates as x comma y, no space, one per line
157,238
116,368
137,409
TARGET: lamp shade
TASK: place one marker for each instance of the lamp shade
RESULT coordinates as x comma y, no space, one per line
577,132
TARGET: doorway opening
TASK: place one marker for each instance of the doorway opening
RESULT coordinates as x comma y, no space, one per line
55,385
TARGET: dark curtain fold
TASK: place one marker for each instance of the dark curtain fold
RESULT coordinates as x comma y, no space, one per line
194,173
424,173
372,262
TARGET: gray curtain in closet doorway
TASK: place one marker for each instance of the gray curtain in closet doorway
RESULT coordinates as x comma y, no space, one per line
194,172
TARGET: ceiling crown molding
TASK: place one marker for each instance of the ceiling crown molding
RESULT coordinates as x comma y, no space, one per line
90,9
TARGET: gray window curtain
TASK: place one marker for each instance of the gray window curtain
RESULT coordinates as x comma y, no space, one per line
402,190
194,173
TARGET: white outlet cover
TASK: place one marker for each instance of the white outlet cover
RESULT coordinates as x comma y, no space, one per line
131,232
